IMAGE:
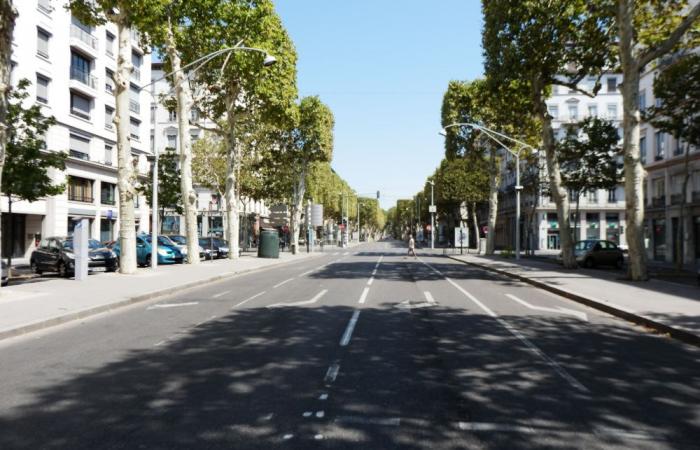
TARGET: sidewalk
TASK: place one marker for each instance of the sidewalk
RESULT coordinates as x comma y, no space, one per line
666,307
48,301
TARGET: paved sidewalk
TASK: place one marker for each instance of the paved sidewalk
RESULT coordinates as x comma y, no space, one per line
48,301
667,307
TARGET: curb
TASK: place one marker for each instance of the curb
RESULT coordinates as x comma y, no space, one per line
658,327
77,315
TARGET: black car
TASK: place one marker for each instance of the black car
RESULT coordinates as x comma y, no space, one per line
214,247
55,254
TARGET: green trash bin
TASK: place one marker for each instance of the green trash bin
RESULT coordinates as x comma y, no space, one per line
269,246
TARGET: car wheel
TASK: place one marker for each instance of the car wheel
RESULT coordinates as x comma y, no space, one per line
62,270
619,263
114,267
148,261
35,267
589,263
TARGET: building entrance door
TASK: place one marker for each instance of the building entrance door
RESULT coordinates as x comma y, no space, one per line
553,240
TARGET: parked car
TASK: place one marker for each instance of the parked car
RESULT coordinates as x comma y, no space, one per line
592,252
166,255
214,247
5,277
181,242
55,254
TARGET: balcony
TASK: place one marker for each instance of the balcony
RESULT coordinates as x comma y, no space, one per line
44,6
134,106
676,199
658,202
79,197
136,75
83,77
83,37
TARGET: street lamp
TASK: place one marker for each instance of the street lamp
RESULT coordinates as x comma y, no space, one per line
268,61
432,214
499,138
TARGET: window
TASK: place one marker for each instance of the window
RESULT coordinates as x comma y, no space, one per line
107,193
134,99
659,188
134,130
172,116
80,189
553,111
42,43
136,60
80,70
194,115
642,100
194,137
593,110
660,145
108,154
45,6
678,149
573,112
612,195
643,149
109,81
79,105
42,89
172,141
593,196
612,111
109,44
109,117
79,147
612,84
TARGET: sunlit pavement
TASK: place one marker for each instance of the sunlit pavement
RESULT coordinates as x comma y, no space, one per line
360,348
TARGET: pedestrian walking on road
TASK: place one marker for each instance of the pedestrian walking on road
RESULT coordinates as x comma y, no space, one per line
411,246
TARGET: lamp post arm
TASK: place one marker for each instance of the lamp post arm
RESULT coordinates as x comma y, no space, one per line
492,133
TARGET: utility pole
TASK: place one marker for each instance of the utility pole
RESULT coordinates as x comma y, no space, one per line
432,214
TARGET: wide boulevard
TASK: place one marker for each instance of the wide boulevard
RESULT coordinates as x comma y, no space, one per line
359,348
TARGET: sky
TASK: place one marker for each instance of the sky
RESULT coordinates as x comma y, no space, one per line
382,66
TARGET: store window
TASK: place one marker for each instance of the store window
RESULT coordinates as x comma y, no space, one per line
592,226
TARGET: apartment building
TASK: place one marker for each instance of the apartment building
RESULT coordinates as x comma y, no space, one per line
601,213
664,160
210,214
70,66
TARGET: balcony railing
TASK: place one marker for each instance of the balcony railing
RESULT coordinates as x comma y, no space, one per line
45,6
676,199
134,106
108,200
78,154
658,202
80,197
136,74
83,77
84,36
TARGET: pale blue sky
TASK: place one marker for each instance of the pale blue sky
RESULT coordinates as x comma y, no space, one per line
382,66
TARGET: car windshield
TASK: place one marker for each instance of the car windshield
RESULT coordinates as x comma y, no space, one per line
584,245
92,244
165,240
178,239
220,243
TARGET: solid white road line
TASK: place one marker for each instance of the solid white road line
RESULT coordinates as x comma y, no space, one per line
220,294
370,281
429,297
305,302
533,348
345,340
171,305
331,373
558,309
281,283
249,299
363,297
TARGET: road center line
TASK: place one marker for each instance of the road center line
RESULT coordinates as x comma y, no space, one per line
331,373
220,294
283,282
370,281
532,347
249,299
305,302
171,305
363,297
349,329
429,297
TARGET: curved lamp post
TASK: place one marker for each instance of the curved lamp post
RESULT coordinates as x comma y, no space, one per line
500,138
200,62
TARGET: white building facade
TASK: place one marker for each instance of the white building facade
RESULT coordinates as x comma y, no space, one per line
601,213
70,66
210,214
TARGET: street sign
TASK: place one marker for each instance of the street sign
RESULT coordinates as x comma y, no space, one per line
432,208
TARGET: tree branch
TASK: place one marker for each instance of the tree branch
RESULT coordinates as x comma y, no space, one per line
664,47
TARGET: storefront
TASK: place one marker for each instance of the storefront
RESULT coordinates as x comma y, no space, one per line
592,225
612,227
553,242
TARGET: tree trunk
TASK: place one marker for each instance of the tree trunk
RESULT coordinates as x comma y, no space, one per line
476,225
634,172
231,196
297,205
125,171
11,232
493,203
559,194
577,224
681,213
184,106
8,14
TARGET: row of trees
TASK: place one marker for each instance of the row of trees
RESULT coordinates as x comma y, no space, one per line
261,141
530,47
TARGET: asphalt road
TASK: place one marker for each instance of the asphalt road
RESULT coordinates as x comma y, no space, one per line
362,348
